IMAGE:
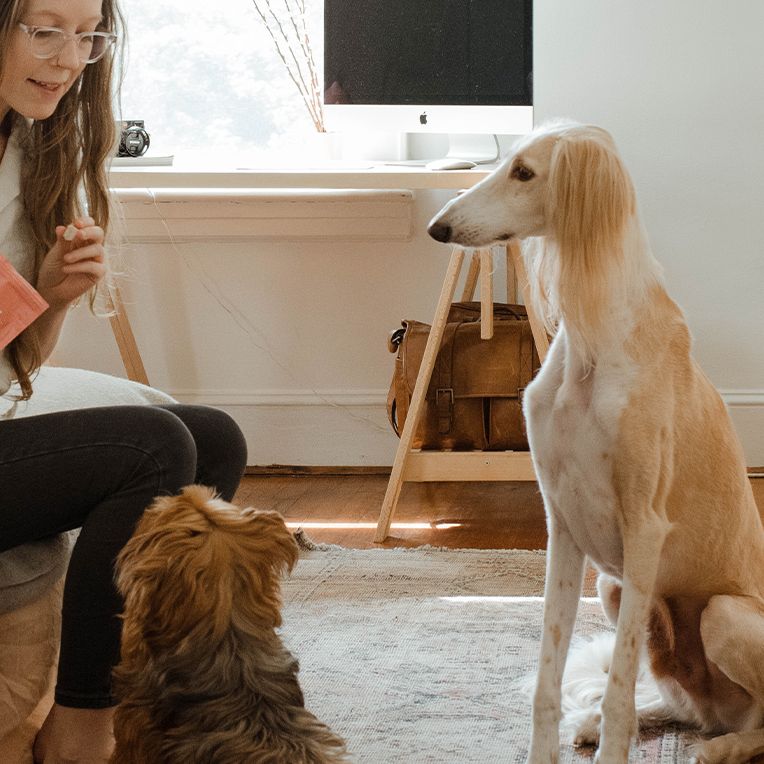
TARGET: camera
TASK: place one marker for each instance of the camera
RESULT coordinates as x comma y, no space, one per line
134,141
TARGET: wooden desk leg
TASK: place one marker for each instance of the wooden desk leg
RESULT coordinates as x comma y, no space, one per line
537,326
468,293
123,334
416,407
486,294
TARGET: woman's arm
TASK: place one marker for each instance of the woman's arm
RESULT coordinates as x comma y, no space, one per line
70,269
49,326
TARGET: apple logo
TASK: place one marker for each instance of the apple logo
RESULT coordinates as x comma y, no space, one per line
423,118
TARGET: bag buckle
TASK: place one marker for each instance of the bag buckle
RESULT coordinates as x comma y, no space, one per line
449,390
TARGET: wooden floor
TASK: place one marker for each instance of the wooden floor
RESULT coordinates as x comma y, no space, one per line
344,510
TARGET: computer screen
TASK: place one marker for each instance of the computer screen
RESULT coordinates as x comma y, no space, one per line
429,65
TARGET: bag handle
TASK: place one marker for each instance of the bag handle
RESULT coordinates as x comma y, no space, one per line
392,409
395,338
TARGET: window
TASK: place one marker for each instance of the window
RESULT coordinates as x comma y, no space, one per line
207,81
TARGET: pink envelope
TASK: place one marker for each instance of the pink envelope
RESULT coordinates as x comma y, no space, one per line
20,303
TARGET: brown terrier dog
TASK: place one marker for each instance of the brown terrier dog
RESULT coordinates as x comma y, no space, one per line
203,675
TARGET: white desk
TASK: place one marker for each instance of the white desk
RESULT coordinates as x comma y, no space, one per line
326,202
337,201
379,176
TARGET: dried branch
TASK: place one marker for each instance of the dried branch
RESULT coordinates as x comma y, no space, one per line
294,49
303,37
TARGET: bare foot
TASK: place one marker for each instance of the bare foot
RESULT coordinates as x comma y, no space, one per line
75,736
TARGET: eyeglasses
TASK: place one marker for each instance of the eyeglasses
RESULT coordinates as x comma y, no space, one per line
47,42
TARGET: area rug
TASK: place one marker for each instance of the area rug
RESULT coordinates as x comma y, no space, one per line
424,655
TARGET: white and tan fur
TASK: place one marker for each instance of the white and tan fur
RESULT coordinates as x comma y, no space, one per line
638,464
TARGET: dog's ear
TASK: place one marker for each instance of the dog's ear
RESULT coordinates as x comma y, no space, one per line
136,560
590,193
271,551
589,203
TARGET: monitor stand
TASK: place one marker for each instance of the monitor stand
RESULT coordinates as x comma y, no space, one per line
463,149
480,149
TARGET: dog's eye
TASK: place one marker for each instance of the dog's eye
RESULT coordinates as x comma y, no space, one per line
523,173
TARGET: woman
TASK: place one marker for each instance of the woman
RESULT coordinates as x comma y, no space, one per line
96,469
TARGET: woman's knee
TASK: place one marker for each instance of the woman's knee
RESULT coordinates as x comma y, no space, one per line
230,439
220,445
167,444
232,459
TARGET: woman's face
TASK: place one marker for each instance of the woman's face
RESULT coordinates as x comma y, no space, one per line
33,86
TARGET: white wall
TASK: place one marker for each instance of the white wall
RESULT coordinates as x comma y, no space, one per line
290,336
679,86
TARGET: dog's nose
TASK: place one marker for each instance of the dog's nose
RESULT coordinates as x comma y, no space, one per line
439,231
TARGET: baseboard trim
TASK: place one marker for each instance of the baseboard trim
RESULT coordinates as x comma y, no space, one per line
356,397
734,398
293,398
295,470
347,426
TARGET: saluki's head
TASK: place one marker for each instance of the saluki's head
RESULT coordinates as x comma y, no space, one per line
566,187
564,180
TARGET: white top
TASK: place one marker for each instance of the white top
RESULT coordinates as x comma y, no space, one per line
15,237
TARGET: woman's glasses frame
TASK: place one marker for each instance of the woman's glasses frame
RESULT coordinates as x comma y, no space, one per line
57,39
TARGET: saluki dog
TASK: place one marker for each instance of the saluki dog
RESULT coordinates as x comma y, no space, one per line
638,464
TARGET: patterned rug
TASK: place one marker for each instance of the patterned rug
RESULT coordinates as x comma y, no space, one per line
423,655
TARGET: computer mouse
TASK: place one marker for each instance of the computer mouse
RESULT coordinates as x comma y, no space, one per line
450,164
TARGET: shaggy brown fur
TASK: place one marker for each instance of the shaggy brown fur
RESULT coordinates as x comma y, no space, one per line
203,675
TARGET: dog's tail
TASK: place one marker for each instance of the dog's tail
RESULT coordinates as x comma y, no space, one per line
586,674
197,558
583,687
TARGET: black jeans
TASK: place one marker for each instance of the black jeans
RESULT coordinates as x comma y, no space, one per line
98,469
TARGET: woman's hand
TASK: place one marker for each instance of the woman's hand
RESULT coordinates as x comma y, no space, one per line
72,268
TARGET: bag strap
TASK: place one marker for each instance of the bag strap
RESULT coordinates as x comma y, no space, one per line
443,373
526,359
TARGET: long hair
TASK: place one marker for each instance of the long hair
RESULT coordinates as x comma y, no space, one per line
64,164
591,199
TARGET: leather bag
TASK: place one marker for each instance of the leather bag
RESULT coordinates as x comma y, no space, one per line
474,400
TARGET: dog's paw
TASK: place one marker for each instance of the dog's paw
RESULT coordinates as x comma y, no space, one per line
545,757
602,758
542,751
587,732
725,749
584,726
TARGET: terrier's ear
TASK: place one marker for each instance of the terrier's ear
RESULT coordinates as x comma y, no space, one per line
137,558
271,551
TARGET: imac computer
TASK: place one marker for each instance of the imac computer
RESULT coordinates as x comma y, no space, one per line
460,67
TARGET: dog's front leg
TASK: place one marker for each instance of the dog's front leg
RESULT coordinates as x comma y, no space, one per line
642,543
562,590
